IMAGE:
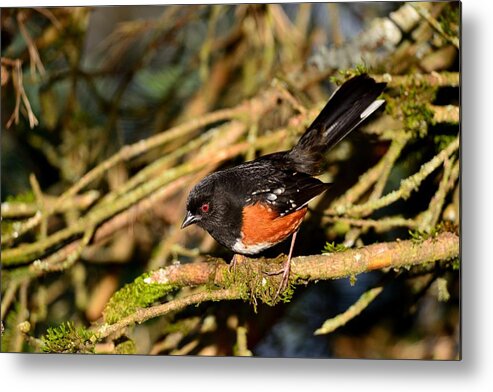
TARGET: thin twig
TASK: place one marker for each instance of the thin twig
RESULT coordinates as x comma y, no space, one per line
8,297
241,348
15,209
407,186
393,153
379,225
40,202
22,316
31,47
354,310
71,257
431,216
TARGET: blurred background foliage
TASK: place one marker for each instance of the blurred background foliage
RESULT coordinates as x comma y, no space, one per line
80,84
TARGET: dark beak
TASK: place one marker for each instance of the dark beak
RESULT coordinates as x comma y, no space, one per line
189,220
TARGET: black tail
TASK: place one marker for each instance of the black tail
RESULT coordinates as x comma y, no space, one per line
352,103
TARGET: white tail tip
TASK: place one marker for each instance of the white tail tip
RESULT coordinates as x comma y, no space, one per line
370,109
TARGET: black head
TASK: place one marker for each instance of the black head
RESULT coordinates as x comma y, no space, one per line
201,204
210,206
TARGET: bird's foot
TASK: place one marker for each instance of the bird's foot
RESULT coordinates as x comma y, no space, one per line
237,259
285,270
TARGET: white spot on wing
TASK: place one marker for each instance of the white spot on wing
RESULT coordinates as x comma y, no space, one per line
271,197
260,191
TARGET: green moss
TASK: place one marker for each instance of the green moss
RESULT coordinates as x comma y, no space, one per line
417,116
419,236
257,285
126,347
25,197
411,106
135,295
442,141
456,264
346,74
9,227
66,338
332,247
449,19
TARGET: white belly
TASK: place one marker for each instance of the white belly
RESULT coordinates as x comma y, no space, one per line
240,247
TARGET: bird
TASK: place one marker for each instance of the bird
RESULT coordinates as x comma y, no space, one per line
255,205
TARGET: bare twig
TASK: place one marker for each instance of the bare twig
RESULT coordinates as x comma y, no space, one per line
36,63
20,94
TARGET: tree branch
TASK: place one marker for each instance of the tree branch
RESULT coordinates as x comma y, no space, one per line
250,281
143,315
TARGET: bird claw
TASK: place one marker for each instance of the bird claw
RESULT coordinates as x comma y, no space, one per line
285,270
237,258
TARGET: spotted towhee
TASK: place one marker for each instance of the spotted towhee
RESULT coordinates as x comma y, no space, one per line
257,204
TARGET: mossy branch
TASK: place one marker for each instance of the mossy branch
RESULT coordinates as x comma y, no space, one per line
250,280
433,79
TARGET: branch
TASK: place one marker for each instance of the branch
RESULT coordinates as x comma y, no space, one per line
15,209
143,315
445,114
433,79
354,310
325,266
250,280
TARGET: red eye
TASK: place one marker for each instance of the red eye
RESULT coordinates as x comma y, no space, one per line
205,207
